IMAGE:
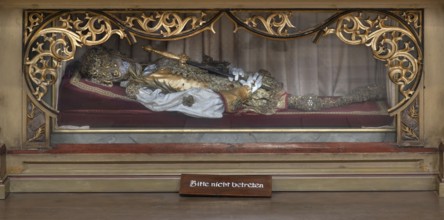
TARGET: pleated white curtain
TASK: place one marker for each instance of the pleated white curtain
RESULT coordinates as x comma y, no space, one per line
329,68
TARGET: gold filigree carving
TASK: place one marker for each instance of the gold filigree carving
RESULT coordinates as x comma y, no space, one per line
410,122
33,20
54,44
38,134
413,112
276,24
409,133
95,30
36,123
31,112
394,45
166,24
412,18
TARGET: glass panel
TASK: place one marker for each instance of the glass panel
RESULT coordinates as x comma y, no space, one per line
280,84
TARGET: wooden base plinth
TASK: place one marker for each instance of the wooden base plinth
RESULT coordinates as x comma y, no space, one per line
318,183
157,167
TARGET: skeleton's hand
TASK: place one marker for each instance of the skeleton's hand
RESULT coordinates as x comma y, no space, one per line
237,73
253,81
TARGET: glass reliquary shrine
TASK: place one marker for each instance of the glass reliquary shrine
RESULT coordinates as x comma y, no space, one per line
243,70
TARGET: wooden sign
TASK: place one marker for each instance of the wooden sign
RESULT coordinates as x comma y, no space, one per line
225,185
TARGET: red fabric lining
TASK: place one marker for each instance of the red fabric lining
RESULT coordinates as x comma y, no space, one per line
204,148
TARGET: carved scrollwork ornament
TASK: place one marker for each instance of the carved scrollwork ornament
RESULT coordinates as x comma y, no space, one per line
395,45
166,23
32,20
410,122
36,124
58,42
413,18
275,24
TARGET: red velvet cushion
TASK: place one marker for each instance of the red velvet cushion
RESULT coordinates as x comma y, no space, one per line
71,97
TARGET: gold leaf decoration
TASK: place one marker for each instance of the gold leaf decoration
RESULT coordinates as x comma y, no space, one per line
276,24
56,43
33,20
413,112
166,24
395,45
412,18
38,134
35,122
409,132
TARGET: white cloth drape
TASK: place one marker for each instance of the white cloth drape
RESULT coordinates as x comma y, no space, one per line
206,103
